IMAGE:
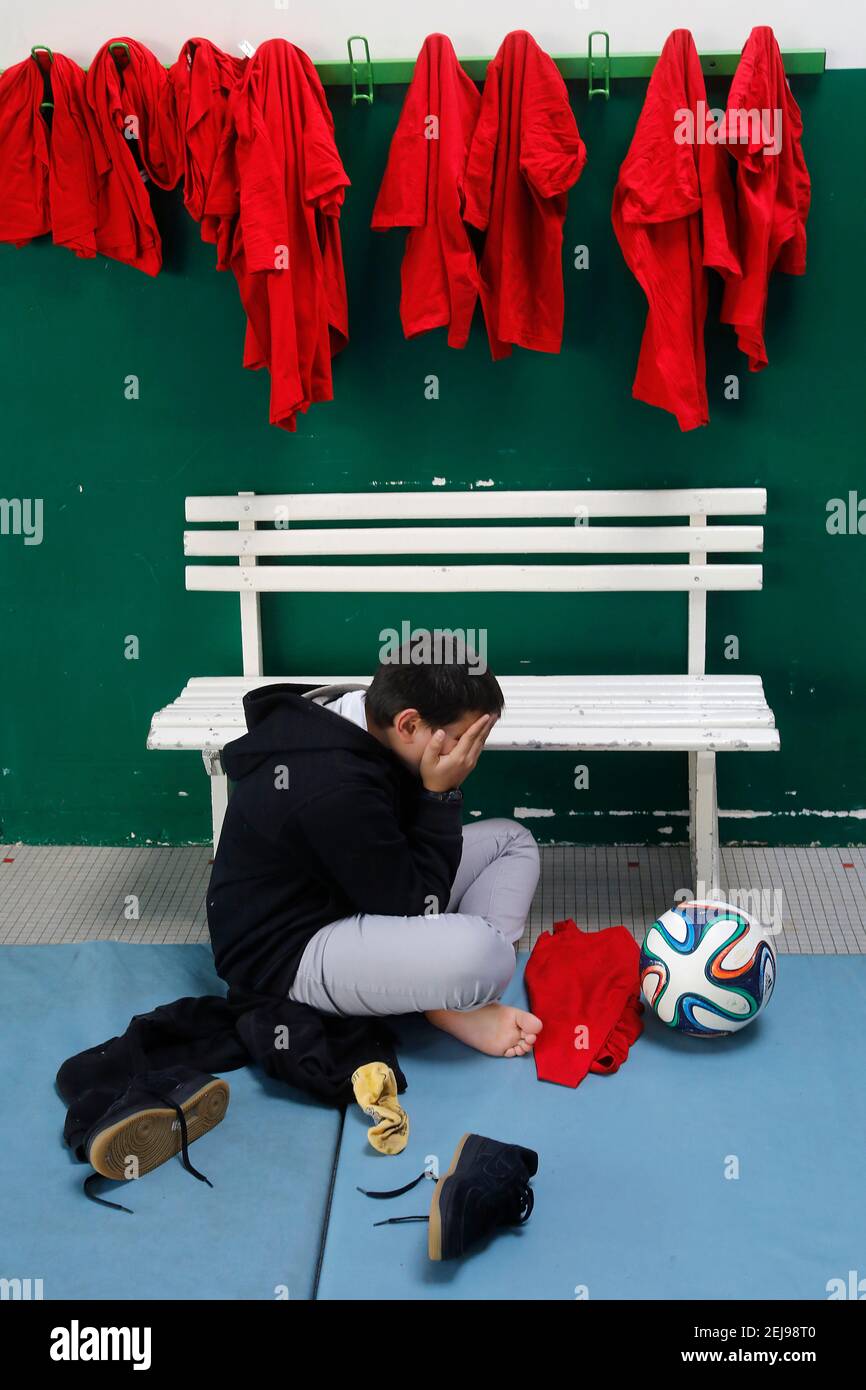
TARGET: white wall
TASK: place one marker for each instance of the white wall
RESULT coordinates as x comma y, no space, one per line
396,28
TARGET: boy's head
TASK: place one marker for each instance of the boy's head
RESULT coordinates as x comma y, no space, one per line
408,701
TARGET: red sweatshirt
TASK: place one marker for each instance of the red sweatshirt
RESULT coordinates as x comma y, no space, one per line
585,988
46,165
24,210
773,187
673,215
422,189
131,106
203,78
525,154
279,172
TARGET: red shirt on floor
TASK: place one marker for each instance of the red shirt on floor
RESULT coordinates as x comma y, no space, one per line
585,988
525,154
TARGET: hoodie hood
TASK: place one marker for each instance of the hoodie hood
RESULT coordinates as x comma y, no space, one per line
284,719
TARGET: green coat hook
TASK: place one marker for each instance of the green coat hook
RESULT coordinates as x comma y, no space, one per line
367,73
41,48
598,65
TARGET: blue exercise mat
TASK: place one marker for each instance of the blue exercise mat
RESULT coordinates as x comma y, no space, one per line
255,1235
631,1198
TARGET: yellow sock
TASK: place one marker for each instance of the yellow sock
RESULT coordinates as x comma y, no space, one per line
375,1088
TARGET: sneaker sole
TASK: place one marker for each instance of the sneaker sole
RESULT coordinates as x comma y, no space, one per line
152,1135
434,1230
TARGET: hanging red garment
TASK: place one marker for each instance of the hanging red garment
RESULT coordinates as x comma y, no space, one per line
585,988
71,167
203,78
46,162
24,210
773,187
131,106
280,175
673,215
422,189
526,153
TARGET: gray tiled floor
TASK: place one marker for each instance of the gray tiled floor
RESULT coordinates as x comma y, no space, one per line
814,898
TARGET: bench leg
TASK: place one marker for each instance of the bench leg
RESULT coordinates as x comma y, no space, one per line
219,792
704,824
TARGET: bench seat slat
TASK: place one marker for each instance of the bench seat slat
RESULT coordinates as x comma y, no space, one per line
196,703
197,707
634,683
537,737
541,713
676,718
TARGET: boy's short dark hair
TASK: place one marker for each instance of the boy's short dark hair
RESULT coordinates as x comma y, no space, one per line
441,692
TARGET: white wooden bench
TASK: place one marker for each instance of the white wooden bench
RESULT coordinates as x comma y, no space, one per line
693,713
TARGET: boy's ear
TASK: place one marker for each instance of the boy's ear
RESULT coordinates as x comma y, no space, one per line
406,724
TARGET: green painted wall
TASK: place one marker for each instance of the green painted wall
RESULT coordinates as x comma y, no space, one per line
113,475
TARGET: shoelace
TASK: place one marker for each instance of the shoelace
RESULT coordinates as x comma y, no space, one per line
524,1201
397,1191
520,1197
184,1154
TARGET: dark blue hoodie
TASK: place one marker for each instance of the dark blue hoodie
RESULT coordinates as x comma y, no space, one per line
323,822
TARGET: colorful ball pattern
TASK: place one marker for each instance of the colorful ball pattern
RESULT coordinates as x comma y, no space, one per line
707,969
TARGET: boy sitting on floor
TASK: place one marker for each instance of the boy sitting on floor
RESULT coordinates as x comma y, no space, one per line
344,877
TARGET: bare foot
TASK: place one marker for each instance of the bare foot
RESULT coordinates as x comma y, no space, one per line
497,1029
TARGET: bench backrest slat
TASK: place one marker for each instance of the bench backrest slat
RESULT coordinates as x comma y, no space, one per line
467,579
478,540
477,505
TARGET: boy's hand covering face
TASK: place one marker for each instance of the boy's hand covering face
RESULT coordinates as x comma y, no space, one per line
442,772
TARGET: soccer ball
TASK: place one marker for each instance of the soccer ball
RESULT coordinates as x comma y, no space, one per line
707,969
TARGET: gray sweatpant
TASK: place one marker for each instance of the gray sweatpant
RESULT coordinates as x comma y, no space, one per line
368,964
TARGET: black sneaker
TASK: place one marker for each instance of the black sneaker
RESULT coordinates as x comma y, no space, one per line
486,1186
159,1114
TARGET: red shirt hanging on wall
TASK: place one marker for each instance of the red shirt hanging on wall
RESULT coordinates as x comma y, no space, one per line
202,78
763,132
525,154
131,106
422,189
24,211
47,173
279,175
673,215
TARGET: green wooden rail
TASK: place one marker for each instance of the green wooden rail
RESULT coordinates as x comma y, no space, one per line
798,61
